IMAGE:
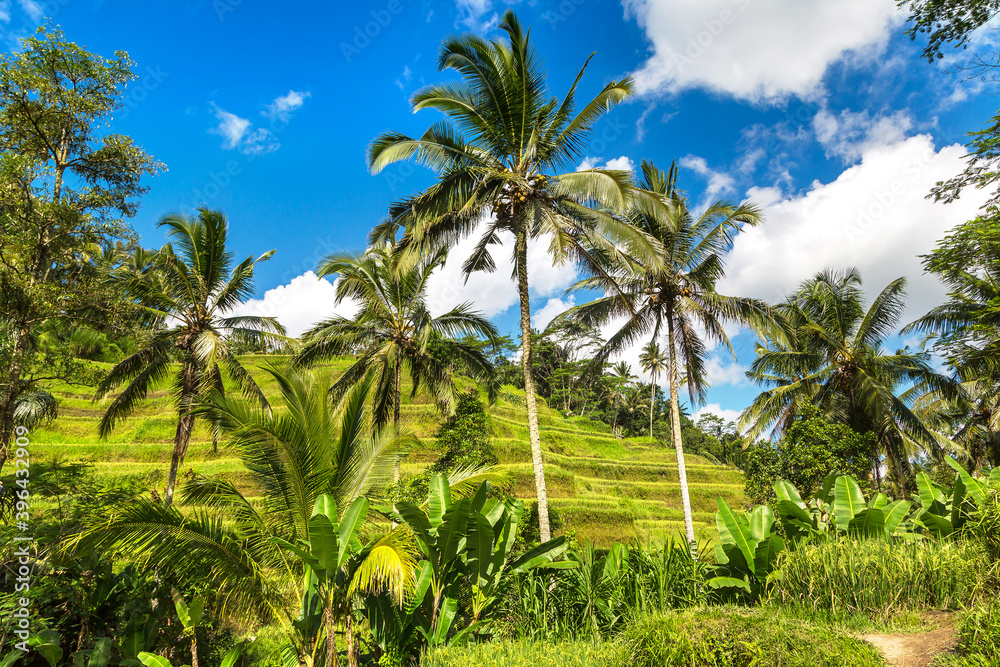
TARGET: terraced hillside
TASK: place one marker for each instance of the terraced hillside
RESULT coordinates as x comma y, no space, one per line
607,489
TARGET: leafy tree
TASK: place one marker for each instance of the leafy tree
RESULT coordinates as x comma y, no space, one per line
498,154
465,437
966,332
947,21
64,188
811,449
834,358
676,293
193,288
394,330
293,455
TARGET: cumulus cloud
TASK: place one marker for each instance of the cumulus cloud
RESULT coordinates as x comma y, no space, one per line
298,305
718,410
718,182
623,163
754,50
552,309
874,216
849,134
282,107
723,371
493,293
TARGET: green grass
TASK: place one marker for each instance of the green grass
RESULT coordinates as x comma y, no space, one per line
880,579
608,489
702,637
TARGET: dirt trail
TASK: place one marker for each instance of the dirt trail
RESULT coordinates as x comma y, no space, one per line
917,649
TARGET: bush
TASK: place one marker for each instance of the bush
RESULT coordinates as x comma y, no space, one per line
984,521
880,578
732,637
811,449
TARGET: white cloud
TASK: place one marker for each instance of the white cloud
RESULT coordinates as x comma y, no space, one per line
493,293
32,8
231,127
239,133
849,134
719,183
719,373
716,409
4,11
874,216
471,14
259,142
754,50
303,302
550,311
282,107
623,163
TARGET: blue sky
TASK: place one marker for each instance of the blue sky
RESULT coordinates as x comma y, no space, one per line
824,113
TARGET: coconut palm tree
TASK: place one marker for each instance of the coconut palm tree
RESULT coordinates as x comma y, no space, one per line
654,362
499,154
834,358
301,451
189,291
394,331
676,293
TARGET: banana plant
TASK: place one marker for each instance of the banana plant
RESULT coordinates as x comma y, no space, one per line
944,511
466,546
190,616
745,559
228,660
839,506
331,545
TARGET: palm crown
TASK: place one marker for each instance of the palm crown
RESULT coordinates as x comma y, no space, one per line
188,286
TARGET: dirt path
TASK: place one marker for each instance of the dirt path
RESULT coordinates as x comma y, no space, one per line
918,649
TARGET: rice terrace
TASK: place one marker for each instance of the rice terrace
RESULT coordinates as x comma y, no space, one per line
550,334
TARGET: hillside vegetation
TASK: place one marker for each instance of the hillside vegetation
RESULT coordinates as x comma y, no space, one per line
606,489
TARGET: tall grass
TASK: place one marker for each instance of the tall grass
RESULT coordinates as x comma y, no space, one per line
527,653
737,637
879,578
604,591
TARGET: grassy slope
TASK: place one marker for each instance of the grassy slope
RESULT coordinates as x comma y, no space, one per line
607,489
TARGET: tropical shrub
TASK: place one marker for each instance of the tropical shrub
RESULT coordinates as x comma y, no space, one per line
811,449
465,547
597,598
984,520
745,559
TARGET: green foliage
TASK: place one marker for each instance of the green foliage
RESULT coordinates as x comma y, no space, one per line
880,578
947,22
527,653
727,637
598,597
984,519
833,356
811,449
748,553
466,545
66,188
464,438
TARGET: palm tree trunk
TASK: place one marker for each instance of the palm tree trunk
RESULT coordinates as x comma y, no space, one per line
194,649
652,401
521,257
675,419
185,424
396,400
